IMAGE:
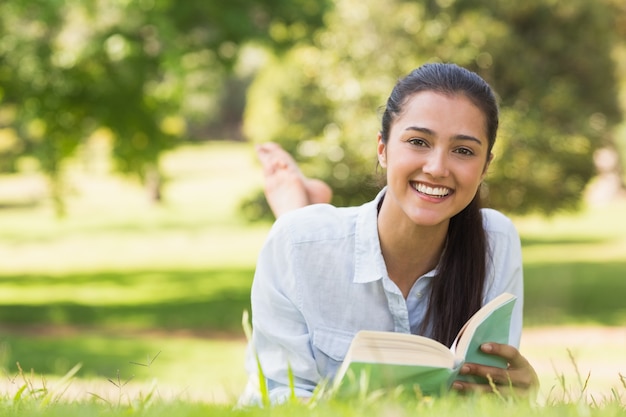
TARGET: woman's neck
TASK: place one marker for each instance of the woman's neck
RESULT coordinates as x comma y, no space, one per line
409,250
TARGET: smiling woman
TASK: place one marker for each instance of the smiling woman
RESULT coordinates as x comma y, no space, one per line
421,258
436,156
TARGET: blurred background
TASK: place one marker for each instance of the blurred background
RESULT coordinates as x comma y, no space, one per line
131,210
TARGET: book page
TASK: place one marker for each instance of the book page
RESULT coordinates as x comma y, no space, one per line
399,348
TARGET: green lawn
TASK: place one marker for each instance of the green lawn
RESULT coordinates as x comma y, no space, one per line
121,281
575,267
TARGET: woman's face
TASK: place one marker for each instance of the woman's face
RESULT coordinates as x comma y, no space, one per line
435,157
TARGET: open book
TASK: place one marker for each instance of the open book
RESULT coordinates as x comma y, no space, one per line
378,359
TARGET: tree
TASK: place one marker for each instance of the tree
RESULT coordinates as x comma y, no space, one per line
138,69
557,104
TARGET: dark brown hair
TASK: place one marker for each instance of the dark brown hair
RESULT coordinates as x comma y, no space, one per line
457,289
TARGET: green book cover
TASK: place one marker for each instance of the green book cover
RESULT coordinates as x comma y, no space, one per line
368,377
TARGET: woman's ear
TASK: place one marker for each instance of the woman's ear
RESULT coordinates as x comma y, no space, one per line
382,151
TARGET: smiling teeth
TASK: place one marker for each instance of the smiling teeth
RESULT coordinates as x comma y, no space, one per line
432,191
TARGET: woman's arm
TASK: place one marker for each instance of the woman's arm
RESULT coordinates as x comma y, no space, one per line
280,335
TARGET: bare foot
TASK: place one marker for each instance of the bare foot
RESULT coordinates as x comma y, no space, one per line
318,191
286,188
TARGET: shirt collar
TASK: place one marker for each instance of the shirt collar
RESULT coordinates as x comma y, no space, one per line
369,262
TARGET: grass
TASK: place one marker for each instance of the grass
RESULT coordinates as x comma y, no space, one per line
159,299
578,292
381,408
574,267
147,405
120,279
185,367
121,284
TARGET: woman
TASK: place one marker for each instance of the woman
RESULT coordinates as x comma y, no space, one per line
420,258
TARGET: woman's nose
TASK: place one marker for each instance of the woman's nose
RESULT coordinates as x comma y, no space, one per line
436,164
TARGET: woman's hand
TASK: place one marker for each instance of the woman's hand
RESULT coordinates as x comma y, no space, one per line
518,379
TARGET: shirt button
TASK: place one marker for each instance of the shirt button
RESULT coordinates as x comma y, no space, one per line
418,295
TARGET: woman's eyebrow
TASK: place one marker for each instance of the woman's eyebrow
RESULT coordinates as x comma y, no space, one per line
420,129
469,137
428,131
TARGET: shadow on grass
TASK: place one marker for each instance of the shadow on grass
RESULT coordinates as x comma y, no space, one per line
221,312
202,300
108,320
575,292
100,356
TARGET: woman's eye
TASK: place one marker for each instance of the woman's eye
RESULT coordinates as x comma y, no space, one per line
417,142
465,151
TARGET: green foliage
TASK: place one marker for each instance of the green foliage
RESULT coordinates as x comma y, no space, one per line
558,104
139,69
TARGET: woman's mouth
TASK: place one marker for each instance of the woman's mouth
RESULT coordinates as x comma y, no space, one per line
438,192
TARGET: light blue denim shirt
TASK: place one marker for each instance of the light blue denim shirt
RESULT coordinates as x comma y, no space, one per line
321,277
